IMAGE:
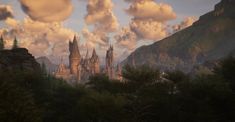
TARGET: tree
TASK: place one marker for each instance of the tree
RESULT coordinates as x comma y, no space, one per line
137,77
1,43
17,104
226,70
15,44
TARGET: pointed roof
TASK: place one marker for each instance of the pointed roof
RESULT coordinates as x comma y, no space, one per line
74,48
94,53
87,54
15,39
111,47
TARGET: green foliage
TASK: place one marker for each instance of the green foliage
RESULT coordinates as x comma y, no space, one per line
176,76
206,99
101,107
226,70
138,77
101,83
17,104
143,74
145,95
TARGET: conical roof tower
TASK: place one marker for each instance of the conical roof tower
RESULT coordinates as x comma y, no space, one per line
74,51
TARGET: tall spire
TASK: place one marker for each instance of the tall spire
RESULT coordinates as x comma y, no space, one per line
111,47
87,54
74,57
74,48
94,53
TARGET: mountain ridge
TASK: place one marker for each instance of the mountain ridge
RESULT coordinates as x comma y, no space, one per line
18,59
50,67
210,38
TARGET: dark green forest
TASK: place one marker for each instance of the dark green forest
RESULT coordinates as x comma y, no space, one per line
145,95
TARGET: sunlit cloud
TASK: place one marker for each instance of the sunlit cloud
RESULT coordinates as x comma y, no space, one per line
99,14
148,9
188,21
47,10
150,19
40,38
126,39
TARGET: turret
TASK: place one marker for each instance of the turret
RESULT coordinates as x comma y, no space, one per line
74,57
95,63
109,62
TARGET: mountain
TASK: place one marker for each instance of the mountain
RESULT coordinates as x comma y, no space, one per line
210,38
17,59
49,65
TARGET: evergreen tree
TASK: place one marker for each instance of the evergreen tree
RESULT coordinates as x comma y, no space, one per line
15,44
1,43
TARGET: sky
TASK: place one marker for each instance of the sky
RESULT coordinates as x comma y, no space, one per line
46,26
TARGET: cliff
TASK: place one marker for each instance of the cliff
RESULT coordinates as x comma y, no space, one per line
18,59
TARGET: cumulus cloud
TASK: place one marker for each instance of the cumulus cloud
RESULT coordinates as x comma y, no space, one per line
184,24
126,39
47,10
5,12
148,9
11,22
40,38
99,14
149,29
96,38
150,18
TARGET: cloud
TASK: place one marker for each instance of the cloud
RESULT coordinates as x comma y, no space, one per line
148,9
42,39
184,24
150,18
99,14
5,12
126,39
149,29
11,22
96,38
47,10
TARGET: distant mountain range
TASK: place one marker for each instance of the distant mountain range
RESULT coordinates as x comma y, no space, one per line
210,38
50,67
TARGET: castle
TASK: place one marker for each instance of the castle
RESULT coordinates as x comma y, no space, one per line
80,69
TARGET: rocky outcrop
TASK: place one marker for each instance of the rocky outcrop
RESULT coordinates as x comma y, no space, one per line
211,38
18,59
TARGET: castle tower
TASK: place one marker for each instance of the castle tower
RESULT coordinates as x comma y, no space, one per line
95,63
86,63
109,61
74,57
62,71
